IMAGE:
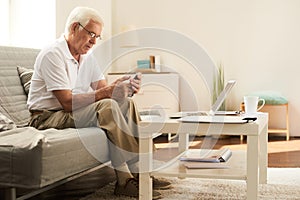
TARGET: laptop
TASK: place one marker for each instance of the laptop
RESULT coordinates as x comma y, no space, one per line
211,115
213,111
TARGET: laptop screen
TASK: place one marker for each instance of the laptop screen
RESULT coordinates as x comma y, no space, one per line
222,96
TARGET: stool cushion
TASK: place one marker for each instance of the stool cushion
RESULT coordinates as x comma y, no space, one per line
271,97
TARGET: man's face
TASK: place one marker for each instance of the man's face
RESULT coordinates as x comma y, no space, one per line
83,40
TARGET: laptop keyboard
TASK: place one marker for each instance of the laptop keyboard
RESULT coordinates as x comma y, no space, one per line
197,114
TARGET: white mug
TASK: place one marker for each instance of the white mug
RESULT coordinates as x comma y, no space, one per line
251,103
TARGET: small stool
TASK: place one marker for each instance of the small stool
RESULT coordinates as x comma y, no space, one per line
274,102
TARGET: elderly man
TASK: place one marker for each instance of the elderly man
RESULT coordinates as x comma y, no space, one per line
69,90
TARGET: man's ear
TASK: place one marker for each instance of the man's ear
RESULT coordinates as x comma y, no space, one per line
74,27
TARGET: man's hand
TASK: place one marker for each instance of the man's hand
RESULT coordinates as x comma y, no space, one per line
135,83
125,87
121,88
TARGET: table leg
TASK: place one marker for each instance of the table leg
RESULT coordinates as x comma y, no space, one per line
263,157
10,194
145,167
183,142
252,167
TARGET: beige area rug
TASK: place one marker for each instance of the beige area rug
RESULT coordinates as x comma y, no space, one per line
283,184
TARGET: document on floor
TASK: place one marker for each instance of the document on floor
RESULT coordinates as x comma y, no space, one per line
207,155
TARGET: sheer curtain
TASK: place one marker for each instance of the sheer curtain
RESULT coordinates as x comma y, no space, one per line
27,23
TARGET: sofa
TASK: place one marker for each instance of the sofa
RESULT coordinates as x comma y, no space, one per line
38,159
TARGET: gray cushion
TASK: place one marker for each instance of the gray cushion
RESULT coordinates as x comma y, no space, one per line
13,99
25,76
271,97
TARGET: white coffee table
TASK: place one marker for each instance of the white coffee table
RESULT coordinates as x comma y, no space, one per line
250,166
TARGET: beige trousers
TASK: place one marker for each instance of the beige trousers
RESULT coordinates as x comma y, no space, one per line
119,121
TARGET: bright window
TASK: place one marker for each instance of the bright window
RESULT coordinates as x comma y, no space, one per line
27,23
4,21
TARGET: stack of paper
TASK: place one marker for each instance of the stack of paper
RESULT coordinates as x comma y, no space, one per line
206,159
221,155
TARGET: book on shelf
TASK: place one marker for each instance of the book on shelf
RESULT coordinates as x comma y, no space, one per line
207,155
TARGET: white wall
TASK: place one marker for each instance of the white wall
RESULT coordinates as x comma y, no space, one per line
257,41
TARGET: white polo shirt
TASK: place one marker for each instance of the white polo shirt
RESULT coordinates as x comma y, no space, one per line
56,69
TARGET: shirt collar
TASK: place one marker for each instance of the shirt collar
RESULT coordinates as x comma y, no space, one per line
66,51
65,48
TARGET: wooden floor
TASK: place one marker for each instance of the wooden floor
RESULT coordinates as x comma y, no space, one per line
281,154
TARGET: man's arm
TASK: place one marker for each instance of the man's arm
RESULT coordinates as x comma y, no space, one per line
99,84
72,102
118,90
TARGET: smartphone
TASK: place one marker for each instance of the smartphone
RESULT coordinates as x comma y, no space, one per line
136,75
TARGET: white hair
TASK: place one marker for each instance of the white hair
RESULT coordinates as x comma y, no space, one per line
82,15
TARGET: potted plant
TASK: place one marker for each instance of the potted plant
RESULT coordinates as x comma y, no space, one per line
218,85
217,89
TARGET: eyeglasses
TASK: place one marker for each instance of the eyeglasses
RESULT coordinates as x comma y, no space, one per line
91,34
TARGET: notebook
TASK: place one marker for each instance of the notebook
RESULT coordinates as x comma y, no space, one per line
206,159
213,111
225,119
206,155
